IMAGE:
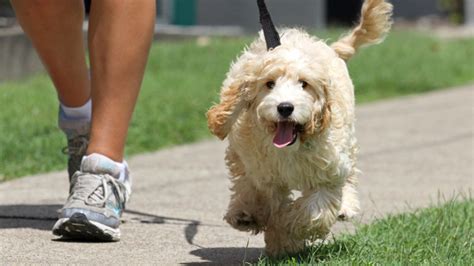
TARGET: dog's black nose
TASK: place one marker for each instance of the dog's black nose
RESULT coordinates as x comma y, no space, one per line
285,109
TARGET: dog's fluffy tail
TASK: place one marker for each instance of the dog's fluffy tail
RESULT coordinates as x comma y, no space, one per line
375,22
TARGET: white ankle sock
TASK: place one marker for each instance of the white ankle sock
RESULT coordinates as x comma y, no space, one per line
84,111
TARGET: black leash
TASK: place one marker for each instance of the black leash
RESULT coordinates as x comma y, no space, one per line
272,38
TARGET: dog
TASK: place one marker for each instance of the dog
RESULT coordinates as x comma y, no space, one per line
288,115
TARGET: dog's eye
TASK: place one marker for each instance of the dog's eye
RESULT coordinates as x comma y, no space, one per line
270,84
304,84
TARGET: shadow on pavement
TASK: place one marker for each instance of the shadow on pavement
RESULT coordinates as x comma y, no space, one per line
41,217
227,256
190,230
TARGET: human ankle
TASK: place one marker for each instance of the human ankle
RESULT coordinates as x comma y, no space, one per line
103,163
80,112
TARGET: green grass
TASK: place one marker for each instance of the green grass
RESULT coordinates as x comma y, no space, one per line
183,79
435,236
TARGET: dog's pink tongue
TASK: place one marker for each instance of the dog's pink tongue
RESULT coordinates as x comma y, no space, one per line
284,134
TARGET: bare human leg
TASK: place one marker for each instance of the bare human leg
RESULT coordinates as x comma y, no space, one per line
55,28
120,34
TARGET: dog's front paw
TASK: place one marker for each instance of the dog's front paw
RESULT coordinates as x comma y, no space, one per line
243,221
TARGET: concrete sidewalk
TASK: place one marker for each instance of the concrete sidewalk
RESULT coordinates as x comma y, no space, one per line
412,150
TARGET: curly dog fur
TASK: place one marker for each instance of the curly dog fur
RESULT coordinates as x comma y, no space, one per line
320,161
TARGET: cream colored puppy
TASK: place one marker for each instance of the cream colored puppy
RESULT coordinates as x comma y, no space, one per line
288,114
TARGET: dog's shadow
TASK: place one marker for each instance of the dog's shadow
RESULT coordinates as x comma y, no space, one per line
219,255
227,255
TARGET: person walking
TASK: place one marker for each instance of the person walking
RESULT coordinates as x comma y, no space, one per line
96,105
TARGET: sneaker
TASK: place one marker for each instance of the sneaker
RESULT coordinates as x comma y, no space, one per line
98,194
77,134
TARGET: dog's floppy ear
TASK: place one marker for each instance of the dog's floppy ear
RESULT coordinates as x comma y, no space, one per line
321,118
222,116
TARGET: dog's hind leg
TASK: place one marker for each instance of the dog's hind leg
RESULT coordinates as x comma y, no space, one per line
279,240
350,205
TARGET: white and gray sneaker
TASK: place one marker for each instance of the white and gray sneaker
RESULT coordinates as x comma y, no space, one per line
97,197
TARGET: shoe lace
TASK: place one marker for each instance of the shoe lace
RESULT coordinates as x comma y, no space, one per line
100,194
77,146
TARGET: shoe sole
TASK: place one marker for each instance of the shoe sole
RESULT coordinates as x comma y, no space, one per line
78,227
